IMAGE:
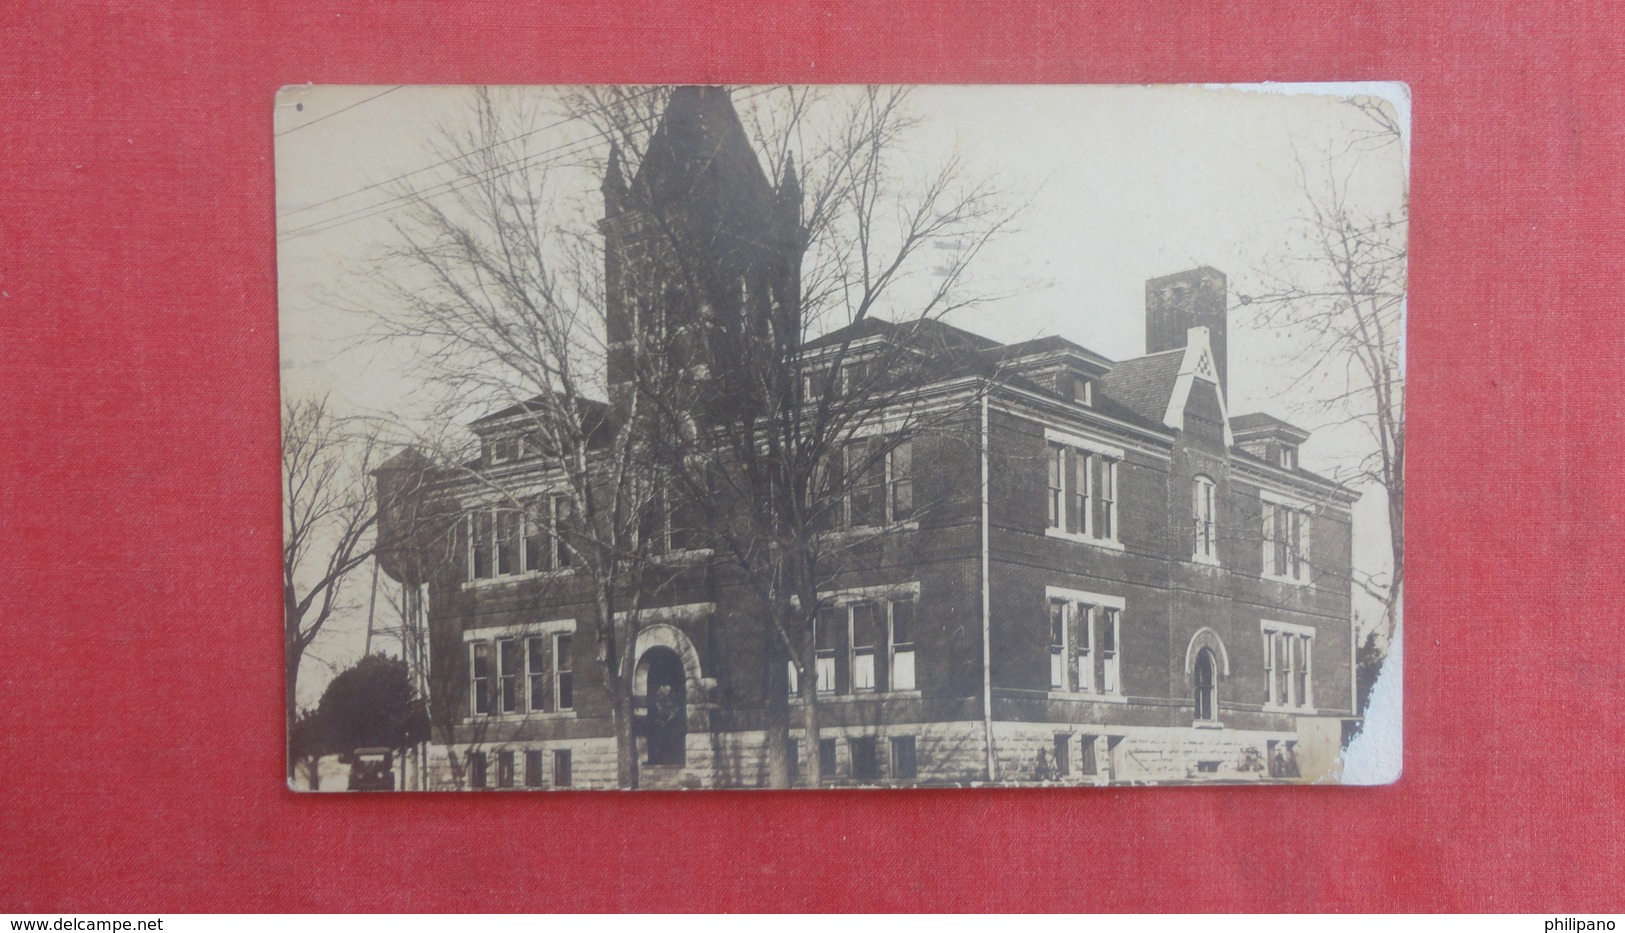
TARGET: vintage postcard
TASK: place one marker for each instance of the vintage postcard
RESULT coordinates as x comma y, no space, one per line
842,437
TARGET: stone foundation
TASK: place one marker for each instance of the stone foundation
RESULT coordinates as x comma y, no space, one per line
948,753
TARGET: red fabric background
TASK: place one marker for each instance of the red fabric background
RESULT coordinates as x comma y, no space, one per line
139,641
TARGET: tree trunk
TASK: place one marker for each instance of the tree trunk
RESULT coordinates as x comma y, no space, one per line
626,746
809,726
778,722
290,676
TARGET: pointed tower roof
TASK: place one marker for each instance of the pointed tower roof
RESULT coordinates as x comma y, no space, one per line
700,149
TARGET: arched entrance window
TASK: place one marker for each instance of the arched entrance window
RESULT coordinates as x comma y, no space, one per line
668,706
1206,685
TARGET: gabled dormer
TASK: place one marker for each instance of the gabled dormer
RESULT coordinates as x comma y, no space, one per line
1197,401
1270,439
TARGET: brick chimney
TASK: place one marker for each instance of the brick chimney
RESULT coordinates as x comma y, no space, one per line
1176,303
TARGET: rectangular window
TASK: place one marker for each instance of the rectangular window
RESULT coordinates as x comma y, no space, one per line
508,536
1085,614
1082,490
508,674
1079,518
1057,645
1283,671
1285,548
1056,458
1288,666
504,449
1205,516
1108,650
1300,670
1086,760
682,528
903,766
865,760
826,758
476,770
1063,755
479,682
900,477
480,546
868,472
862,639
535,540
1269,668
561,768
824,629
536,669
652,525
1086,635
563,513
563,681
533,768
1294,544
902,644
504,769
1105,498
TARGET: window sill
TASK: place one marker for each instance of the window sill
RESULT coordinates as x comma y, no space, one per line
1109,544
859,697
1295,710
1206,724
1205,561
1089,697
687,556
1287,580
484,582
859,532
518,717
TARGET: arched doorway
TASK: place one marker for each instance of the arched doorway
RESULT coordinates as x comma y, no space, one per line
1206,685
667,719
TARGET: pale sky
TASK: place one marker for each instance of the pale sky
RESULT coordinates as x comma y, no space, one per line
1125,184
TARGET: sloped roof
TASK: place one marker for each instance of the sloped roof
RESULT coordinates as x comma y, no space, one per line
1144,384
1051,345
924,333
700,147
1257,423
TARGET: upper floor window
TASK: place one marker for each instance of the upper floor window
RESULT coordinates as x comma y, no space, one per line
668,526
1288,666
1287,457
1082,492
505,449
881,482
1076,388
1085,636
505,541
1205,514
1286,542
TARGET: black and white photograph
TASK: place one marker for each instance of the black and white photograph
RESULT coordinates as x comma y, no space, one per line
841,437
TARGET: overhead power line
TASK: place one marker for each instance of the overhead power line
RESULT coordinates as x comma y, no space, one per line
452,185
295,129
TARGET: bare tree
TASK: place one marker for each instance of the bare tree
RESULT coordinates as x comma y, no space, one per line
494,280
1340,290
503,303
329,521
780,440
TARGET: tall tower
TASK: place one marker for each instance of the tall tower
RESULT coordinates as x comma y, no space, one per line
1176,303
701,250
